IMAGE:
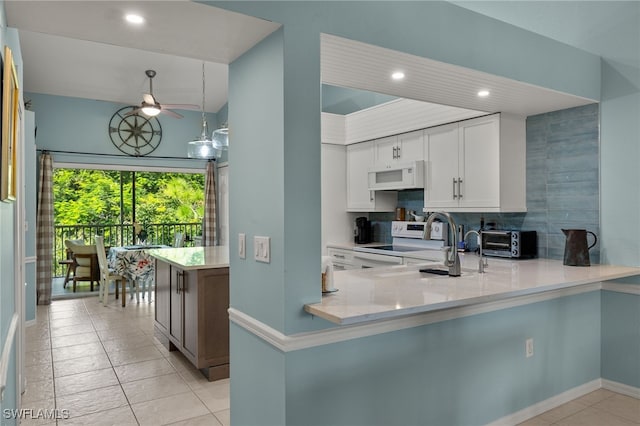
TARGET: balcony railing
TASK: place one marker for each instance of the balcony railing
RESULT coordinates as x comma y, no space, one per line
119,235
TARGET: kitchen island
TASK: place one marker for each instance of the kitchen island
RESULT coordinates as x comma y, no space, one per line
390,292
192,299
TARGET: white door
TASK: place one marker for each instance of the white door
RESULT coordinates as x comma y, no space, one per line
441,167
480,163
385,151
359,159
411,146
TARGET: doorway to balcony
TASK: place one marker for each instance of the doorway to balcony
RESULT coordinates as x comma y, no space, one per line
125,207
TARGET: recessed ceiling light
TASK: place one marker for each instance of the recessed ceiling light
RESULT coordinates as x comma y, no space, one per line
134,19
398,75
483,93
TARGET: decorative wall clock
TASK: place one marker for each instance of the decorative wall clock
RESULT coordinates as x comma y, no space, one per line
134,134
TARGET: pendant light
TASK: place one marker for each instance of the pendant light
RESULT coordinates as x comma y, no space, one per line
202,148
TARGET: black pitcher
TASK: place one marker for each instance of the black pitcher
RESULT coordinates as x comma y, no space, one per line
576,249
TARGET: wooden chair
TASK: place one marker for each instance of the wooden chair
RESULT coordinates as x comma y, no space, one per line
106,275
85,263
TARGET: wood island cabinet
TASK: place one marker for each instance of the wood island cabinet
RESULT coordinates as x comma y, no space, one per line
191,315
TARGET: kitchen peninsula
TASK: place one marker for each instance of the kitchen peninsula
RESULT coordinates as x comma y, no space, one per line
367,295
192,299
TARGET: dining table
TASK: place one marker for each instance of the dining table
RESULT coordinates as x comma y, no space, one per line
134,263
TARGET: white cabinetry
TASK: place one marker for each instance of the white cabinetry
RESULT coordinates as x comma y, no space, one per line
403,148
360,157
341,258
477,165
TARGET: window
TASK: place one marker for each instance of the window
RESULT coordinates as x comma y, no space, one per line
108,202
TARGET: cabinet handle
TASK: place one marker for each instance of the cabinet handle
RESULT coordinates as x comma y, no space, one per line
394,152
459,188
398,152
339,256
454,188
370,195
179,282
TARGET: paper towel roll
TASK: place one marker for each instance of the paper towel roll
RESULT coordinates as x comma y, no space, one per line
327,270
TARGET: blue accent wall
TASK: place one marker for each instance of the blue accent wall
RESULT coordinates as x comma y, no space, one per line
621,338
82,125
461,372
343,100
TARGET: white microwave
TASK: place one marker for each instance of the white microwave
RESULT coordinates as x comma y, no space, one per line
397,176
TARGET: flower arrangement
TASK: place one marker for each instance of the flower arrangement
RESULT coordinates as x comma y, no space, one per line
140,232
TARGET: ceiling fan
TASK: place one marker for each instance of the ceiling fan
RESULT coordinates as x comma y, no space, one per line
151,107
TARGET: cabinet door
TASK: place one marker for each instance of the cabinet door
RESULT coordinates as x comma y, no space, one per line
441,167
386,151
411,146
480,163
175,302
163,278
359,159
190,316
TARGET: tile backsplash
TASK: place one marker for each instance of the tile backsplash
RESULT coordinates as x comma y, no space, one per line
562,184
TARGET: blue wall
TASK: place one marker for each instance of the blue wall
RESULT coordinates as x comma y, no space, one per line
81,125
8,254
342,100
621,338
460,372
288,202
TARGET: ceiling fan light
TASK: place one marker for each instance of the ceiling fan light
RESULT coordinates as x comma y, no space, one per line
151,111
221,138
202,149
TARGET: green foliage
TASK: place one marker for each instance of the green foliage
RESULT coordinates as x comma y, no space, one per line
93,197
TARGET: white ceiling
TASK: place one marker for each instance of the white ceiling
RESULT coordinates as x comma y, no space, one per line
85,49
367,67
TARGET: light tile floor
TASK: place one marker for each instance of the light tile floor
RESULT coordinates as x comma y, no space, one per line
104,366
599,408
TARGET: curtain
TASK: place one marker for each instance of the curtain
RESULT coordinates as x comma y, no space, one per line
44,231
209,225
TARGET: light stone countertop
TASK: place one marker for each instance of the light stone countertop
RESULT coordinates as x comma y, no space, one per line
381,293
189,258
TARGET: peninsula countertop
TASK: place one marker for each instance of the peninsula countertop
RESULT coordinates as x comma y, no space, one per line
381,293
189,258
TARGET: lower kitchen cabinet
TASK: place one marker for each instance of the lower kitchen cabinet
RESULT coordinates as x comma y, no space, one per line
191,315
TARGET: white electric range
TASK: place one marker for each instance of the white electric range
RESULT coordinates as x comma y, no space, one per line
407,237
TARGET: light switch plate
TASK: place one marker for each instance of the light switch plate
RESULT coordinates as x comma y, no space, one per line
262,249
242,246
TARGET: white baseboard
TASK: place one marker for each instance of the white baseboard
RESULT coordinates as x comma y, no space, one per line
621,388
555,401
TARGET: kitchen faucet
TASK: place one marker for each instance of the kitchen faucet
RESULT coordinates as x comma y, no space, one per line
453,260
481,263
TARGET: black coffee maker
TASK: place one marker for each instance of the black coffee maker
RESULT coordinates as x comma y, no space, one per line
362,233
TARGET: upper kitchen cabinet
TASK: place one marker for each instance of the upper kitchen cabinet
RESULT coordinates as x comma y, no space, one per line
361,157
477,165
405,148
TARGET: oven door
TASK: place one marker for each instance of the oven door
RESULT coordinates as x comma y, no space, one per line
372,260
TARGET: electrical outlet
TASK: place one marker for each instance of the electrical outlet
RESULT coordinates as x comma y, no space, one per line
529,347
262,251
242,246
